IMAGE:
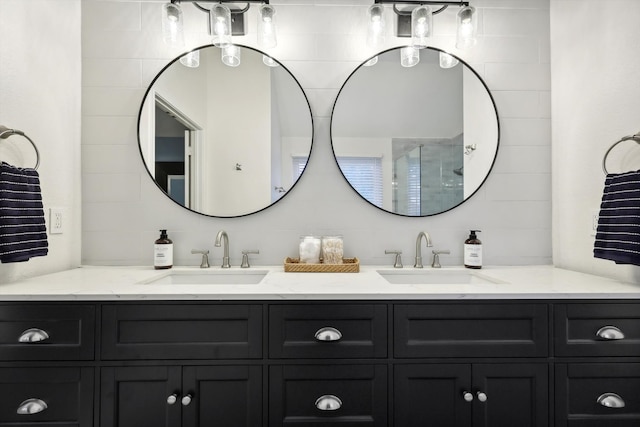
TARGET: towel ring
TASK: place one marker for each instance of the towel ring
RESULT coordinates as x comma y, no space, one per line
635,138
5,133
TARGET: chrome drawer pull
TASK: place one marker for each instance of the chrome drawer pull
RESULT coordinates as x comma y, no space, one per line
31,406
328,402
33,335
328,334
468,397
610,333
482,397
611,400
171,400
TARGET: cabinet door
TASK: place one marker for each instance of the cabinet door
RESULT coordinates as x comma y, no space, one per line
434,393
507,395
223,396
138,397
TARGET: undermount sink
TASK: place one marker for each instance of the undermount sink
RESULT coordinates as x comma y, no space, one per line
435,277
210,277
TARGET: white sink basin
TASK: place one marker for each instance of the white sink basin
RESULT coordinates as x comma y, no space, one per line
210,277
435,277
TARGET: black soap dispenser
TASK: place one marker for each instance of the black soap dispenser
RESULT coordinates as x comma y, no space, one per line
163,252
473,251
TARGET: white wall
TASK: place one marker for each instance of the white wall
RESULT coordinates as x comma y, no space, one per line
596,88
40,95
321,45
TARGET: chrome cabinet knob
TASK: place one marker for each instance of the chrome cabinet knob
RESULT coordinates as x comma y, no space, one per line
610,333
31,406
33,335
468,397
328,402
611,400
171,400
328,334
186,400
482,397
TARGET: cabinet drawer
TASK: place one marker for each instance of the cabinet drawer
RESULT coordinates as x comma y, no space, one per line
583,392
328,331
597,329
317,395
61,397
471,330
46,332
202,331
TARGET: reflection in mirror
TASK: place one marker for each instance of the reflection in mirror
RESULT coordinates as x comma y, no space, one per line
418,140
225,141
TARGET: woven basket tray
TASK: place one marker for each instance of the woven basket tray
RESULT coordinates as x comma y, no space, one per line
349,265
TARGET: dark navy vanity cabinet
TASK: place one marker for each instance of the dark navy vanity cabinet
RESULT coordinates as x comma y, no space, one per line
474,363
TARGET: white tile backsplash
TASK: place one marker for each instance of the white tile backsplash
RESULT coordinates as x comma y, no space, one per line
321,44
112,72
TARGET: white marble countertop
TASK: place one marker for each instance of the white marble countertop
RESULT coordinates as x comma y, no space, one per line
90,283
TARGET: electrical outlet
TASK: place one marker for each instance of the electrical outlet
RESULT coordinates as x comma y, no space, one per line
56,221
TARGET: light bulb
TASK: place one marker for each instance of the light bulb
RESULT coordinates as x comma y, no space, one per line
172,31
373,61
467,28
191,59
447,61
421,26
231,55
376,27
267,26
269,61
409,56
220,17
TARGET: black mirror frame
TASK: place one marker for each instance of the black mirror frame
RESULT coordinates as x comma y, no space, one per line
497,124
173,61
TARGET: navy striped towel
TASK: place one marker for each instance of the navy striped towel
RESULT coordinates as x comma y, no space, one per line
618,234
22,229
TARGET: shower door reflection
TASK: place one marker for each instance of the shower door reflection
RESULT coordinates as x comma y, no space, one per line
427,175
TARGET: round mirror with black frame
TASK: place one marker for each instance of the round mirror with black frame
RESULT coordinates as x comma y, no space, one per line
225,141
415,141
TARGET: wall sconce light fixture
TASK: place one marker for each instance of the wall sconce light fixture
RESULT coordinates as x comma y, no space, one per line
447,61
224,22
172,32
409,56
191,59
231,55
269,61
418,23
376,26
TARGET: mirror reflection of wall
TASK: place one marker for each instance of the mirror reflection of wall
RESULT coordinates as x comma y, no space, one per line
243,128
417,122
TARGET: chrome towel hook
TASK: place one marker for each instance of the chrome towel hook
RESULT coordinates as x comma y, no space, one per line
635,138
5,133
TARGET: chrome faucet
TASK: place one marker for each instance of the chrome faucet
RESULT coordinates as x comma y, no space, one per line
225,257
427,239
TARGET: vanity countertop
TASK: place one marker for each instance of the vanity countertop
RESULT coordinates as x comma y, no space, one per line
89,283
